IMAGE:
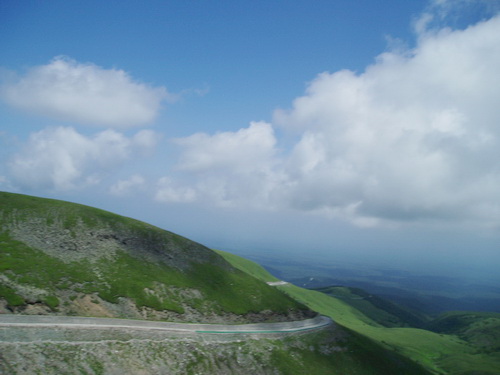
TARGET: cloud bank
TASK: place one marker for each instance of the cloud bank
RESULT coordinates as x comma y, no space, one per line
85,93
415,137
62,159
129,186
228,168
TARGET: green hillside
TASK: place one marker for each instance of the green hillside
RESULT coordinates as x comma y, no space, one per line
480,329
380,310
64,258
440,353
247,266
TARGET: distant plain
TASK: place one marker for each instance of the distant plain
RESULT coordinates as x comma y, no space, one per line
430,290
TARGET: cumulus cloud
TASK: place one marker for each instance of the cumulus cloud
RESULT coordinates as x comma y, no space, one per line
229,168
85,93
414,137
443,14
126,187
246,148
170,192
60,158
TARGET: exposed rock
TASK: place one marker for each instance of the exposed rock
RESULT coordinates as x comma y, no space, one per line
102,240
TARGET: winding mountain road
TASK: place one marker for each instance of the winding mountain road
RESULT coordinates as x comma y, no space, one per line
67,322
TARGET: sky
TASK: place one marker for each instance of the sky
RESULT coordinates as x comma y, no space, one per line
359,130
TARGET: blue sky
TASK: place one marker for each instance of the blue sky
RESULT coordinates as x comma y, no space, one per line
356,129
250,56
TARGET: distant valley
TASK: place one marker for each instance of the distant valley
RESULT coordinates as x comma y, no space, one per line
425,291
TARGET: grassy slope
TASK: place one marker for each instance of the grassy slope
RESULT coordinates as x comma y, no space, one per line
440,353
247,266
378,309
482,329
228,290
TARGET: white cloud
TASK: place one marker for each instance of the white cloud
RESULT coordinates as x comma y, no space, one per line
246,148
5,184
126,187
85,93
62,159
230,168
145,141
440,14
416,137
170,193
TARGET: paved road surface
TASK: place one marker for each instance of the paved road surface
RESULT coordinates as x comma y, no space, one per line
46,321
278,283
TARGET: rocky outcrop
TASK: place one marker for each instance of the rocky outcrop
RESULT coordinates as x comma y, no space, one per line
78,240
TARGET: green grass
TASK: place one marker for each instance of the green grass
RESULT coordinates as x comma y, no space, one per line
439,353
378,309
482,329
13,299
247,266
51,301
310,354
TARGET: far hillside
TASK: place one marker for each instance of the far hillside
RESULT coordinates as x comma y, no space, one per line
378,309
431,294
479,329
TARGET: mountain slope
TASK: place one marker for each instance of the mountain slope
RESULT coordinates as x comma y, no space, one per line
478,328
380,310
62,258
